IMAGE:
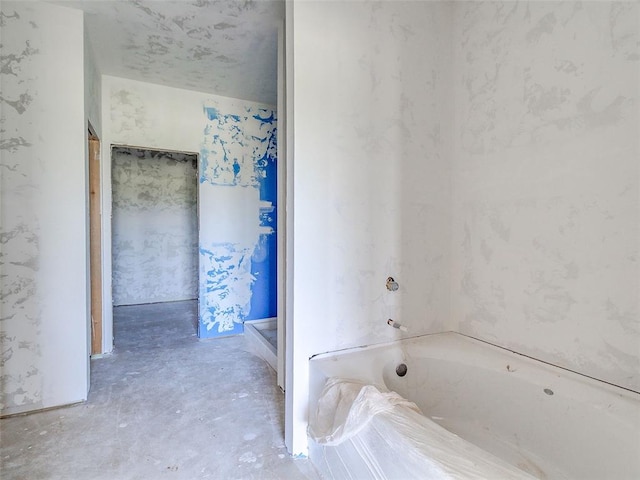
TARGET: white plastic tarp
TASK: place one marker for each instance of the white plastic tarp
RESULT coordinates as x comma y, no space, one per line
364,431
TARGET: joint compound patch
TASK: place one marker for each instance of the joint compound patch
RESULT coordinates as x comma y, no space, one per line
238,217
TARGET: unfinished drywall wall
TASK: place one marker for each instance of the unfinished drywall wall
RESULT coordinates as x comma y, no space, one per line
153,116
92,87
546,182
228,48
43,236
371,183
154,226
238,218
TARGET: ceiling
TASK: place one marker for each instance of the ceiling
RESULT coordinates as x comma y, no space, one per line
224,47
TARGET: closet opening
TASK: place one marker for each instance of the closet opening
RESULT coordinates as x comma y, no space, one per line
154,244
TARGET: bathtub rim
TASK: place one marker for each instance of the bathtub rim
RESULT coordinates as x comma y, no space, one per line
625,391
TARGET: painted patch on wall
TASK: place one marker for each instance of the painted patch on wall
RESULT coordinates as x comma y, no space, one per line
238,215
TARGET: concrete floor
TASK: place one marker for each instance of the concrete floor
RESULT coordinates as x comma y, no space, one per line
163,405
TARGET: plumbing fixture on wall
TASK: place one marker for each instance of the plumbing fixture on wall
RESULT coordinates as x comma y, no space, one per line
392,285
395,324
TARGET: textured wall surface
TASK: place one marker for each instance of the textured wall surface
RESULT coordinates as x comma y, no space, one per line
371,103
154,226
371,194
237,218
235,187
92,87
43,299
546,182
226,48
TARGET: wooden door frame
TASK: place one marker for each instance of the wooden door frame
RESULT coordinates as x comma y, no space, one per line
95,241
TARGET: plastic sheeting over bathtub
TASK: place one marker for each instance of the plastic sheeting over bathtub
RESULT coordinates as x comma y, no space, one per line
361,431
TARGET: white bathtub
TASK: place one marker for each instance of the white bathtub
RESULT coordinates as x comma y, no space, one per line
548,422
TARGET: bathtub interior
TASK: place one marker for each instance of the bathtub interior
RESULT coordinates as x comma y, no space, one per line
546,421
546,424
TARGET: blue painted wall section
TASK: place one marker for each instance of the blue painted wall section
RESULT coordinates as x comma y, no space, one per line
237,241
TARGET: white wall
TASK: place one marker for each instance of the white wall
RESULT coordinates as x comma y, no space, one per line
92,87
154,226
43,259
155,117
546,182
370,92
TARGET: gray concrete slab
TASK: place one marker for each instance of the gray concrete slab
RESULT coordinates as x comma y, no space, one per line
163,405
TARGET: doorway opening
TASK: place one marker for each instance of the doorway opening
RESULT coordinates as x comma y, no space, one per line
270,335
154,238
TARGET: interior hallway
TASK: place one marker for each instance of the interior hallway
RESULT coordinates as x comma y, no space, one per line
163,405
